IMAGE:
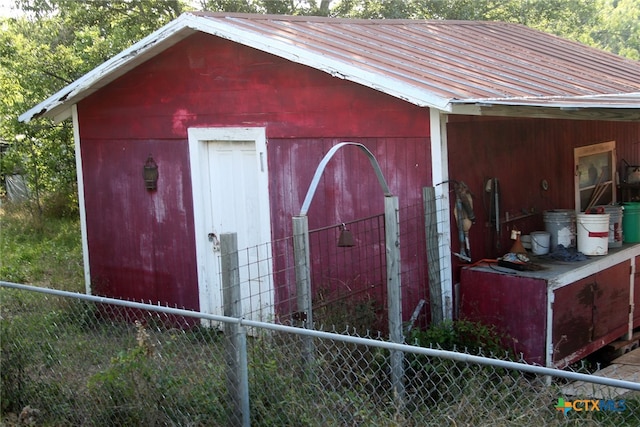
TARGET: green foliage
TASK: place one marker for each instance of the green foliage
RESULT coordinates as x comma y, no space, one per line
276,7
619,29
125,385
462,335
43,251
12,366
54,44
334,310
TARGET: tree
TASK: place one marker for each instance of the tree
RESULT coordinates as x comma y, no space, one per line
275,7
55,43
619,28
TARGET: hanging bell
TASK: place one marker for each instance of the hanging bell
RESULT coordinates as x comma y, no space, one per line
346,238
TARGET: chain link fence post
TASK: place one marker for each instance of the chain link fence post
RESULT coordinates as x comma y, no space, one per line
236,338
302,262
394,292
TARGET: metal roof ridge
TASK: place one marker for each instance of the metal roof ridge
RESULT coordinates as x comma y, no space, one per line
335,20
246,37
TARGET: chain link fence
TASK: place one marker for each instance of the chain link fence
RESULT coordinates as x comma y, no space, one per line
73,359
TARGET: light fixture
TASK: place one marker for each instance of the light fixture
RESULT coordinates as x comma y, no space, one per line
346,238
150,174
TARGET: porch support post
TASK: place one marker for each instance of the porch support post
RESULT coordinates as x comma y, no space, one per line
433,254
440,179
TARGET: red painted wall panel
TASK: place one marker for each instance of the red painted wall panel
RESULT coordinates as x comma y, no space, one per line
348,191
141,245
135,236
590,313
518,310
636,294
206,81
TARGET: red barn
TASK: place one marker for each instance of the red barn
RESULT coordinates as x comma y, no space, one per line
237,111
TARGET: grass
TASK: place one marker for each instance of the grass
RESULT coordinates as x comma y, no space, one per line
40,250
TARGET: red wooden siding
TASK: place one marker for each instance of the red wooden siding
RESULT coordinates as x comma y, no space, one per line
592,312
515,310
521,153
636,293
206,81
141,245
349,191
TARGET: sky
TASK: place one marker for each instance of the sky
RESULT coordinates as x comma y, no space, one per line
7,8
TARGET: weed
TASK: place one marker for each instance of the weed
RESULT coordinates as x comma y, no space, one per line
40,250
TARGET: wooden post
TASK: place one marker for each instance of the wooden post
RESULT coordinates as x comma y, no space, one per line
433,254
304,316
394,296
235,335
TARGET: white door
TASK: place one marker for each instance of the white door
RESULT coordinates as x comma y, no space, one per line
230,186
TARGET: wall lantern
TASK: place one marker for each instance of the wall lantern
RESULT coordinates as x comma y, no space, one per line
150,174
346,238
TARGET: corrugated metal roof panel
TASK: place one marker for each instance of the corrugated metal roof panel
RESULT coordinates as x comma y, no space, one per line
428,63
454,59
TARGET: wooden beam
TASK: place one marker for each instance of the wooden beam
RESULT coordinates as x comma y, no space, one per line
604,114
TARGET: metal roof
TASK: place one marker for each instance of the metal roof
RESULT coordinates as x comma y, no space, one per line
466,67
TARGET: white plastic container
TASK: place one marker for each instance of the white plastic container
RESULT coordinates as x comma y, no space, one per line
540,242
615,224
561,224
593,233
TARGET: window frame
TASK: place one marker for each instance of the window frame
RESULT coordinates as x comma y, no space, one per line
590,162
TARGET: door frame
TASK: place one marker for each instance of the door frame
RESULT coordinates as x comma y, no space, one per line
199,139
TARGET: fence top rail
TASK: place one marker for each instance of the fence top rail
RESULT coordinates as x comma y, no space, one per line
430,352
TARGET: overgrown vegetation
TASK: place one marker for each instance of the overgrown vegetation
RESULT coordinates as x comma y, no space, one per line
44,250
463,335
76,363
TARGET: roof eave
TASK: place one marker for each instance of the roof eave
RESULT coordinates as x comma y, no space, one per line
58,106
603,113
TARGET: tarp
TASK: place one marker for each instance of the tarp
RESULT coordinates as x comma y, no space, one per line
17,190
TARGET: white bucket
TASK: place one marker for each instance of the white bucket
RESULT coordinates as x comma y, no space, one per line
615,224
593,233
561,224
540,242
